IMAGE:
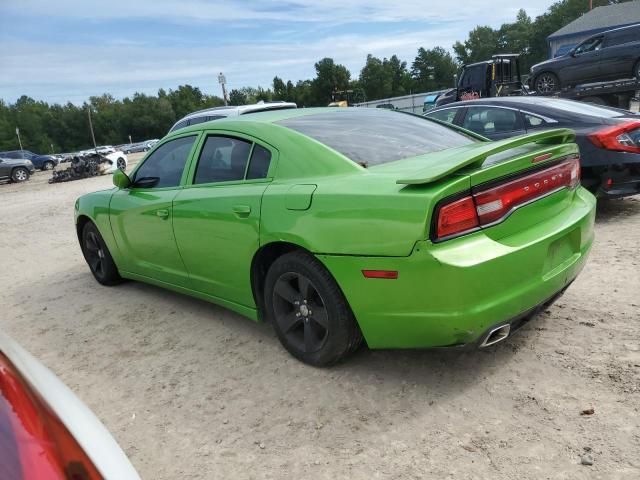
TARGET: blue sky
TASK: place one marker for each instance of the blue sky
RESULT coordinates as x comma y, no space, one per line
68,50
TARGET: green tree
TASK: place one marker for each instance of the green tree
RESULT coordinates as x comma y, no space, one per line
433,69
482,43
330,77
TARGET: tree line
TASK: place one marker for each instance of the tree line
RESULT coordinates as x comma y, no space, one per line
60,128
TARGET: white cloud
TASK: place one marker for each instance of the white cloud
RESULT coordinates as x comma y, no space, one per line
61,72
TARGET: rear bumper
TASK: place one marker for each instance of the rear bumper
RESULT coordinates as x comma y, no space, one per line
609,173
450,294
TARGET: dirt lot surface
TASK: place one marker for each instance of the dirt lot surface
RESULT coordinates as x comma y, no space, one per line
192,391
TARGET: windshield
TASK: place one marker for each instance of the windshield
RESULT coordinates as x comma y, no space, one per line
375,136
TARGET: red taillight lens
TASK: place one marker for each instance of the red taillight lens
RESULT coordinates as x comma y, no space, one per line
624,137
458,216
34,444
491,205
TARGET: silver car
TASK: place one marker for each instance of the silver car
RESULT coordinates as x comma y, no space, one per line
217,113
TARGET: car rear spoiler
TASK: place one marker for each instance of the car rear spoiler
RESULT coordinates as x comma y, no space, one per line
477,154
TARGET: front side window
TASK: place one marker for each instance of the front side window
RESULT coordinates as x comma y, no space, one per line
222,159
590,45
444,115
490,120
164,167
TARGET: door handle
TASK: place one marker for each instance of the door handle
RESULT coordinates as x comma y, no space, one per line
162,213
242,210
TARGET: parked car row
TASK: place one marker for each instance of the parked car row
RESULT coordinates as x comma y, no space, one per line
138,147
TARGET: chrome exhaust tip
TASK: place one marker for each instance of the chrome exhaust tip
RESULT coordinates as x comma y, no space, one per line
496,335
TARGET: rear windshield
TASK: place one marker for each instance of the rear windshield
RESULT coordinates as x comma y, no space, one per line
372,136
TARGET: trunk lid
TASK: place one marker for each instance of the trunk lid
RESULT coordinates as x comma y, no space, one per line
487,161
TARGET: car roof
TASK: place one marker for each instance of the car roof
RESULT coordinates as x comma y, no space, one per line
543,105
240,109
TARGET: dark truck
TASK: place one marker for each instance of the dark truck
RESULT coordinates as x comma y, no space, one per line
604,69
498,77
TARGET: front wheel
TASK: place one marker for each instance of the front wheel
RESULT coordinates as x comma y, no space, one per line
48,165
308,310
546,83
98,256
20,175
121,164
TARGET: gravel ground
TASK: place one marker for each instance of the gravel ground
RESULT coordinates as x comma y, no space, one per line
193,391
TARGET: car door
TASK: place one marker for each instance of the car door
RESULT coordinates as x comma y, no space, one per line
5,169
495,123
217,216
620,53
585,63
142,217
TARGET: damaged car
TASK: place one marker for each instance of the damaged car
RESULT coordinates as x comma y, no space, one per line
90,165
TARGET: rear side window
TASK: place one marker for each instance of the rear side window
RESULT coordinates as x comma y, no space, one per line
373,136
222,159
166,163
259,164
181,124
491,120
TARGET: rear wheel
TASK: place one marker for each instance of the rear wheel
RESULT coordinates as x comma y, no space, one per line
20,175
98,256
547,82
309,312
121,164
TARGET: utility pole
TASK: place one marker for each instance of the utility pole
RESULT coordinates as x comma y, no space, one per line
223,81
91,127
130,139
19,141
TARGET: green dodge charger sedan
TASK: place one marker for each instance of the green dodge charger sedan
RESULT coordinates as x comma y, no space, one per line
342,224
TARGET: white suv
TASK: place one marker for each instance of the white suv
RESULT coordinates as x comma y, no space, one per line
217,113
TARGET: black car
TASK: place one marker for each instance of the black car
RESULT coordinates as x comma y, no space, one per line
43,162
610,55
15,170
609,138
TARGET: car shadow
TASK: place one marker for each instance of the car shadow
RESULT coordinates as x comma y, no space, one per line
145,309
612,210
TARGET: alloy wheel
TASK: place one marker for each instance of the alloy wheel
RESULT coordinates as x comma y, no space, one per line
94,254
48,165
546,83
20,175
121,164
300,312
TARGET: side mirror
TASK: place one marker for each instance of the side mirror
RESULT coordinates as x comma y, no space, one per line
121,179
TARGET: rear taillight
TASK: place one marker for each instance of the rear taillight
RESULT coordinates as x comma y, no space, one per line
34,443
487,206
623,138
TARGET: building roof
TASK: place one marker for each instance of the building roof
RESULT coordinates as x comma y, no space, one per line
602,18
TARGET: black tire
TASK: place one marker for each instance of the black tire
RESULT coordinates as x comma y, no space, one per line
636,70
121,164
48,165
321,338
19,175
98,257
546,82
